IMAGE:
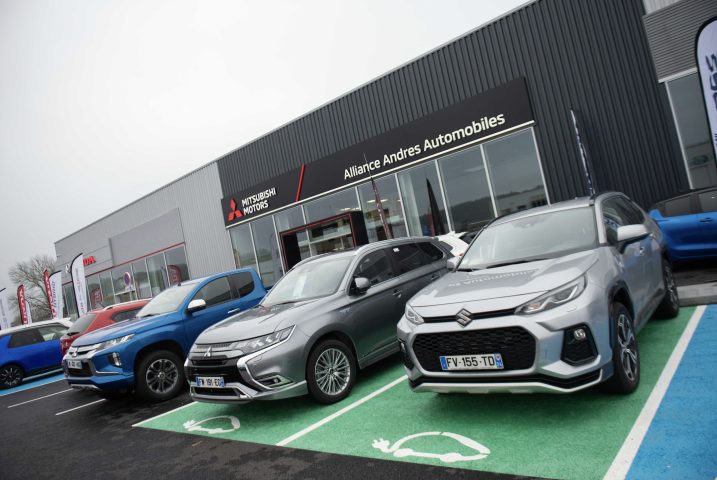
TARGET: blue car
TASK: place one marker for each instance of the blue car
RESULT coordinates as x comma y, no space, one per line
147,353
30,350
689,223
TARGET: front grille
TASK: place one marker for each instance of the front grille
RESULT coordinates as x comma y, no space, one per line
515,344
216,392
209,363
84,372
474,316
565,383
214,345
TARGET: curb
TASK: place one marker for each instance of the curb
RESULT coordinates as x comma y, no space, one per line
703,294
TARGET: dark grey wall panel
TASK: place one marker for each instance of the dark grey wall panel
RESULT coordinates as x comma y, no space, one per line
587,55
671,33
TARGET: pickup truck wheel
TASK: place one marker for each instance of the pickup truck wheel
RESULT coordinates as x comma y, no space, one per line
625,353
11,376
330,372
670,305
159,376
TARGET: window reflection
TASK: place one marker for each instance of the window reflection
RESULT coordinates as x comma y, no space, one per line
177,270
242,247
425,210
93,292
290,219
267,251
336,204
388,191
140,279
157,272
108,294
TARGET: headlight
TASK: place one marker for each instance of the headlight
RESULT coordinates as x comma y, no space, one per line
555,298
114,341
255,344
412,316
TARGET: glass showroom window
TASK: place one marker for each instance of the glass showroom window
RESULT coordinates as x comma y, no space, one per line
388,190
121,290
157,273
267,251
69,300
514,169
423,201
242,247
293,218
177,270
336,204
93,291
687,103
465,182
108,293
140,280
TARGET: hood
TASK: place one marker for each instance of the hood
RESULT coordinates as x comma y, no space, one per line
255,322
115,330
509,281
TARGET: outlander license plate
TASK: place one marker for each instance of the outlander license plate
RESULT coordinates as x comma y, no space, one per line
74,364
210,382
491,361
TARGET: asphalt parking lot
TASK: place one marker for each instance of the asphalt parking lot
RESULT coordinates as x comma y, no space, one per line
382,430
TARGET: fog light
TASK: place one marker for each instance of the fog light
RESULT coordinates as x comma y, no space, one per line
579,334
115,359
403,346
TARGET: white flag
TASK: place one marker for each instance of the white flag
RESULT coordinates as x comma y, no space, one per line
4,311
77,271
29,313
56,289
706,57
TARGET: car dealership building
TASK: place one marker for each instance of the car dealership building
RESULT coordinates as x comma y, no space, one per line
484,125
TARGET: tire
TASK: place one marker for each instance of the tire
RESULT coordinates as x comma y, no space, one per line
670,305
11,376
625,353
159,376
330,372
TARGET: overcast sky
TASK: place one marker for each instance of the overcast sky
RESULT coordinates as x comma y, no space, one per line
103,102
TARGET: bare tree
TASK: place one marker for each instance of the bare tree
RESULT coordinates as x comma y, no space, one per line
31,274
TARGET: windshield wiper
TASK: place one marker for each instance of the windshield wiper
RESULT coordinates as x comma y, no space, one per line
505,264
286,303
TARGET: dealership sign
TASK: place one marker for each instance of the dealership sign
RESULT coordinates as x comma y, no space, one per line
706,58
472,120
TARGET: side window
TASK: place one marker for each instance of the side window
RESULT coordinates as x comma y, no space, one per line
243,284
374,266
125,315
637,211
23,339
612,220
409,257
708,201
215,292
52,332
678,207
431,251
626,211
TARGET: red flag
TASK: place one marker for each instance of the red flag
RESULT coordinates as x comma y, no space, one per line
48,288
23,303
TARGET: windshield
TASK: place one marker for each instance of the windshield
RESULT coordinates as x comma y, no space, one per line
314,279
81,324
167,301
549,235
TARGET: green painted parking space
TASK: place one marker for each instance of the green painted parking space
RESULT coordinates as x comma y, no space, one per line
573,436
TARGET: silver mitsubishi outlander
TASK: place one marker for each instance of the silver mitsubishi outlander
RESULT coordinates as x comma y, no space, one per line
545,300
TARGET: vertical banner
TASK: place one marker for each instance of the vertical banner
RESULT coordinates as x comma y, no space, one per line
4,311
48,289
706,59
22,303
583,150
56,289
29,313
77,270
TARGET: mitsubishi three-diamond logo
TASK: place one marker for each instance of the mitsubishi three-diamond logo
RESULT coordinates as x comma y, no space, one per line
464,317
208,353
234,213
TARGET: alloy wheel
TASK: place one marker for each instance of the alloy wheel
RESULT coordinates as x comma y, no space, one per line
628,346
332,372
162,376
10,376
671,287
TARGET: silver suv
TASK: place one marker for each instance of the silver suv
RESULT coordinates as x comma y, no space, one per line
327,317
545,300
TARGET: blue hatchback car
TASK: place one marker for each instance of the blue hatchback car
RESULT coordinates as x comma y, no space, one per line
689,223
147,352
30,350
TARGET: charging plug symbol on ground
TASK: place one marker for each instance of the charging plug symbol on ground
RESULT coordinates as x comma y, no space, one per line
398,452
192,426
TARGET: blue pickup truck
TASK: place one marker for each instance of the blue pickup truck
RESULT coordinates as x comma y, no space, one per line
147,353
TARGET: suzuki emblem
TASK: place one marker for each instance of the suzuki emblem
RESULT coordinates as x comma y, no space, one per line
464,317
208,353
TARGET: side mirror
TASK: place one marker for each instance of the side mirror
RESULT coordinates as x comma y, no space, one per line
196,305
361,284
630,234
452,263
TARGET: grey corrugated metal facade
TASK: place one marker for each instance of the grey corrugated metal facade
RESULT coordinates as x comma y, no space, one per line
586,55
671,32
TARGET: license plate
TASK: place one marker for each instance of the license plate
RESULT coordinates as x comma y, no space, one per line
210,382
74,364
491,361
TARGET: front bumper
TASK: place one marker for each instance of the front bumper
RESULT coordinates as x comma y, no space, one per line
548,372
96,372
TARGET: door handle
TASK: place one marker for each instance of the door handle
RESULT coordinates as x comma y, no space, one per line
397,293
234,311
708,219
642,251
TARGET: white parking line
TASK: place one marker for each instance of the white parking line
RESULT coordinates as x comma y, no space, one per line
81,406
340,412
29,401
621,465
34,386
165,413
